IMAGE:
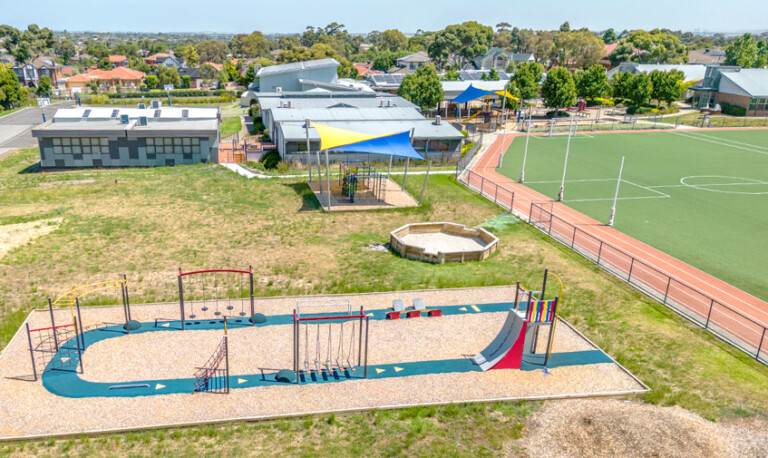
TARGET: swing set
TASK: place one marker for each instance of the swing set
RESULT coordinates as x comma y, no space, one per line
329,351
209,294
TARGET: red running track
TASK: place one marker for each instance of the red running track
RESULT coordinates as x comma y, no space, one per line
699,296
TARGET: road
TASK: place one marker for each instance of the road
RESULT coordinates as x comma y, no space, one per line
16,128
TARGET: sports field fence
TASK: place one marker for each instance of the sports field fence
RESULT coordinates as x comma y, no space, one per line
700,309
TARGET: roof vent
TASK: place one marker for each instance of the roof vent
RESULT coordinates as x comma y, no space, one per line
142,120
437,119
142,106
279,90
156,104
288,104
184,113
389,103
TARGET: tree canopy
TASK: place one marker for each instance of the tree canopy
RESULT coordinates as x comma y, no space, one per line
23,45
656,46
459,42
577,49
422,88
253,45
558,90
525,82
592,83
747,51
212,51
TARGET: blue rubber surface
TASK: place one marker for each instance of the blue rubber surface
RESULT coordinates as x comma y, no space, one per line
69,383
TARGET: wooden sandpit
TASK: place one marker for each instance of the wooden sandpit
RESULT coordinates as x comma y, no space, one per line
443,242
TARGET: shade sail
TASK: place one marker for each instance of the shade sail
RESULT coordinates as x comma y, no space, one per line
473,93
396,144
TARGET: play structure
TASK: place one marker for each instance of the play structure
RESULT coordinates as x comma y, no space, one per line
358,179
212,378
519,336
328,351
215,293
442,242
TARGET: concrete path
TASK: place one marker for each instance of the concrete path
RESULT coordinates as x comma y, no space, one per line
248,174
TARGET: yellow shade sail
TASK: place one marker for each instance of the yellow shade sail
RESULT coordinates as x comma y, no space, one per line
333,137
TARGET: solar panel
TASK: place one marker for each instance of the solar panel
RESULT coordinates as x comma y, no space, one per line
114,113
157,113
86,113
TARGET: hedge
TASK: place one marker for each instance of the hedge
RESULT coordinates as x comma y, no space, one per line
175,93
733,110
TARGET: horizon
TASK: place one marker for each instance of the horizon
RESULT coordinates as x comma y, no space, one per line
148,16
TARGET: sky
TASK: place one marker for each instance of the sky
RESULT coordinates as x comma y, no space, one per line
362,16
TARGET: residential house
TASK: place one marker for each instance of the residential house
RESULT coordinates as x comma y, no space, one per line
743,87
499,59
410,63
78,83
169,60
708,56
154,58
120,77
29,73
196,79
364,69
118,60
692,72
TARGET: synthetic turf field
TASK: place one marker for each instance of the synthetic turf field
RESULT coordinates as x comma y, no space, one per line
701,196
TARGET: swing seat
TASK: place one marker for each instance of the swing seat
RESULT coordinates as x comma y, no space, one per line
398,305
418,304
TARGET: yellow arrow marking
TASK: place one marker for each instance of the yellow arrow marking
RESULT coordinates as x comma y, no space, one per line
159,386
64,360
474,307
241,380
370,314
165,325
379,371
398,369
463,309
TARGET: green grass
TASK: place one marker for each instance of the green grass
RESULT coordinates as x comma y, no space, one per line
695,119
7,112
147,222
230,126
715,219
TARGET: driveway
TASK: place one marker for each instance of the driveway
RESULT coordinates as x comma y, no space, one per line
16,128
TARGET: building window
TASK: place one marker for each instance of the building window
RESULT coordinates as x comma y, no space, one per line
176,145
77,145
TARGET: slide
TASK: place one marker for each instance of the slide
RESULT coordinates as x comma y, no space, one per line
506,350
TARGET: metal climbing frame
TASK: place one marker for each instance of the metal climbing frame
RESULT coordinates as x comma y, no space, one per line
54,348
358,177
211,378
74,297
209,297
351,353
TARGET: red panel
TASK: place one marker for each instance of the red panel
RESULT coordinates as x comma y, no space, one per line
435,313
514,356
393,315
414,314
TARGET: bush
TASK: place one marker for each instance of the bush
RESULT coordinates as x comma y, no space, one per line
254,111
733,110
599,101
98,99
464,133
639,110
557,114
667,110
270,159
176,93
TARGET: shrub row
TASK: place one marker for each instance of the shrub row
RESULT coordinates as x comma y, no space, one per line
733,110
175,93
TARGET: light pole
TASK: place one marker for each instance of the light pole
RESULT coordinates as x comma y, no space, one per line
525,153
616,196
504,120
565,164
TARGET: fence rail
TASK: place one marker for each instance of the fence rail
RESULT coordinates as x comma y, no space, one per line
704,311
724,322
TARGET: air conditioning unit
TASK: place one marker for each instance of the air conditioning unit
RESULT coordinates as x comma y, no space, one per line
142,120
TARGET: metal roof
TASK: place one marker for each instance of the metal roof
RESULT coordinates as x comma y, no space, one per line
477,75
362,115
692,72
104,113
386,81
132,129
328,100
296,67
754,81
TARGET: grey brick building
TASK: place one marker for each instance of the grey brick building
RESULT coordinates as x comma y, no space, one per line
128,137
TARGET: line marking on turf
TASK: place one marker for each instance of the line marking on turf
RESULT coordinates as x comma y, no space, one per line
728,140
611,199
645,187
720,143
474,307
705,187
550,137
159,386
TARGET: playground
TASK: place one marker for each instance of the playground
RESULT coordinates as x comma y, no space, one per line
698,196
220,354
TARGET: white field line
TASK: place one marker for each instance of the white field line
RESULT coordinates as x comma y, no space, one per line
645,187
731,141
553,136
720,143
706,185
611,199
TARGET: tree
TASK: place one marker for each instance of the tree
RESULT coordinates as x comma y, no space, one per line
592,83
66,50
249,77
346,69
167,75
44,85
558,90
384,61
460,42
186,81
231,71
392,40
656,46
208,73
565,27
212,51
621,86
493,75
9,87
622,53
253,45
451,75
22,45
104,64
422,88
150,81
743,52
525,81
189,54
609,37
577,49
640,89
667,86
503,26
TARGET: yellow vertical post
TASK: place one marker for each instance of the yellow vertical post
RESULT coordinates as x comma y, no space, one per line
557,311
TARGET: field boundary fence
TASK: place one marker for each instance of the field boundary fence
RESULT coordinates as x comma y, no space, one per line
700,309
